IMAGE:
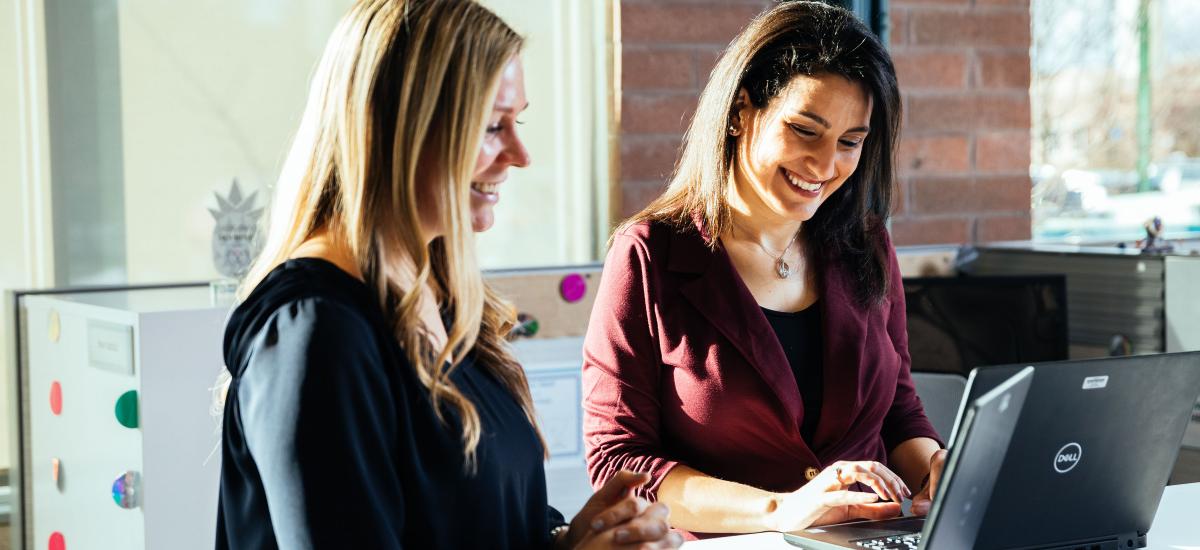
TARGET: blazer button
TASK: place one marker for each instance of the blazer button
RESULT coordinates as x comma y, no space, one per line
810,473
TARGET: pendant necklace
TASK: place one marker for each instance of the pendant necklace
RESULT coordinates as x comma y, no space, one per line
781,267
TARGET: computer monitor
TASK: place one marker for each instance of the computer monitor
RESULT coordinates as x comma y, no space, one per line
958,323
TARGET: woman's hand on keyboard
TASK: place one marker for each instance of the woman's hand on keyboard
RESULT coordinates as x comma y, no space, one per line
924,498
825,499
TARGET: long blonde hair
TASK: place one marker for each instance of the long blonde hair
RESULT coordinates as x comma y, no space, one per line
403,92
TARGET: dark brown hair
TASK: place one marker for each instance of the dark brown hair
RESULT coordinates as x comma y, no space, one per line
791,39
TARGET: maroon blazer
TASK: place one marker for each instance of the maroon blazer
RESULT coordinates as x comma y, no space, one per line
681,366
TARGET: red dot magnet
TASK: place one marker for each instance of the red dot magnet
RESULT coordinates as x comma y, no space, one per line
573,287
57,542
56,398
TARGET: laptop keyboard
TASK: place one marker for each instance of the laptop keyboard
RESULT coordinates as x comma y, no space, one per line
895,542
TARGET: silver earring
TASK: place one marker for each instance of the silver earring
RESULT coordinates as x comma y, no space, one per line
734,130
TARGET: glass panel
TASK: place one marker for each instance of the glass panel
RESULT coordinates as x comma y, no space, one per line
550,212
1087,60
156,105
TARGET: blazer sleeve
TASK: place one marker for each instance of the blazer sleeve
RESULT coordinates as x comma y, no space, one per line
906,418
622,373
319,418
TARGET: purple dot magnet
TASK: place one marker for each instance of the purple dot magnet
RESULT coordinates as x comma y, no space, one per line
126,490
573,287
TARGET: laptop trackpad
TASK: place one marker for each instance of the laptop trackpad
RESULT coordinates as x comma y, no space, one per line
867,529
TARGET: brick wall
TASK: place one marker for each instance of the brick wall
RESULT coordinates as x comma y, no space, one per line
964,73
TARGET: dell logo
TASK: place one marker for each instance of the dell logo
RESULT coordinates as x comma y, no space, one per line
1067,457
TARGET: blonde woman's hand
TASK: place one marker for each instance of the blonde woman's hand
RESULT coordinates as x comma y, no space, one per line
825,499
614,518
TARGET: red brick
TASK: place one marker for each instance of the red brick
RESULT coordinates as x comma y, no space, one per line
964,72
635,195
897,26
657,114
934,154
931,70
656,68
967,196
648,158
1003,151
1021,4
1003,193
1011,227
929,2
906,231
900,197
684,23
953,28
1004,69
968,111
943,196
706,60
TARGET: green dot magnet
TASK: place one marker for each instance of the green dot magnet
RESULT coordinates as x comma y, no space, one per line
127,409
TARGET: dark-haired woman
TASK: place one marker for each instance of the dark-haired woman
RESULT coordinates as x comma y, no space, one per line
748,345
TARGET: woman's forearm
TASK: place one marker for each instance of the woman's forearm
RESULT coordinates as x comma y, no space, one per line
910,460
703,503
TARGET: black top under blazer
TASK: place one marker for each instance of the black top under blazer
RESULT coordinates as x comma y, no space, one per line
331,441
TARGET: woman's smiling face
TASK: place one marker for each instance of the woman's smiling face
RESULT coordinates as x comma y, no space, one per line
799,149
501,149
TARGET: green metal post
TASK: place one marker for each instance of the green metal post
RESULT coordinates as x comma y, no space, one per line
1143,96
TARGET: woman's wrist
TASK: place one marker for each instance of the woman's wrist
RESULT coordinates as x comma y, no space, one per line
559,537
775,518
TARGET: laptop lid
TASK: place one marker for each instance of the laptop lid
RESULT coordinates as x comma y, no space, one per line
1093,449
981,442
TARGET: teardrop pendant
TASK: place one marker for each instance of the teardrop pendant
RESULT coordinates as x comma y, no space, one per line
782,268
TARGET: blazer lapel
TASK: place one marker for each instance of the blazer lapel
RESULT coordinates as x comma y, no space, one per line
843,329
717,291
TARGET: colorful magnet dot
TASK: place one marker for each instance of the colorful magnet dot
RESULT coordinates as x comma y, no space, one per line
53,326
125,490
573,287
57,542
527,325
127,409
56,398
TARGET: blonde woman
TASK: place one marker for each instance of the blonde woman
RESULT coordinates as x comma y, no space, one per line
373,401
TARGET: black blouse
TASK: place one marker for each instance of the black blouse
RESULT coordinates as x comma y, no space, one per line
331,441
799,334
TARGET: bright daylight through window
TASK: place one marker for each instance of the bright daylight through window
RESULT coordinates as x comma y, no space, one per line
1115,96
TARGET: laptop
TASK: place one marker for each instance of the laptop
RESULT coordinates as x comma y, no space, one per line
1093,450
1091,453
977,451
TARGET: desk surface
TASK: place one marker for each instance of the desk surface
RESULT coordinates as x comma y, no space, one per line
1176,527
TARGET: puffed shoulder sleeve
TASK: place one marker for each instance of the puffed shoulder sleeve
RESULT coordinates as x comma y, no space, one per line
622,373
320,420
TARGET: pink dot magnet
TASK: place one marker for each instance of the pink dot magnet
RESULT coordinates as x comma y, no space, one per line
57,542
56,400
573,287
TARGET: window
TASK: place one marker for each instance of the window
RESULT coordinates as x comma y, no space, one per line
151,107
1115,103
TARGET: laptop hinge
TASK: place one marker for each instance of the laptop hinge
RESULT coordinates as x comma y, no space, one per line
1122,542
